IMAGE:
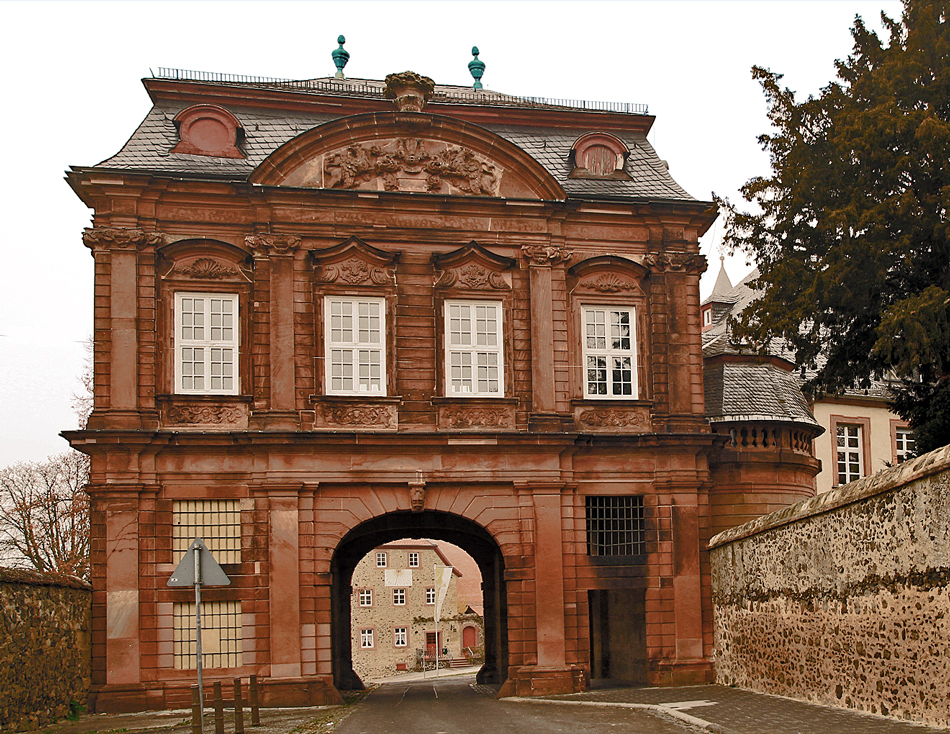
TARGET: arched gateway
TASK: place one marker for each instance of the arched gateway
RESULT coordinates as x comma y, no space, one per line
324,321
469,536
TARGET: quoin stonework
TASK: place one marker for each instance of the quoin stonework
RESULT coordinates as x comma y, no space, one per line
331,314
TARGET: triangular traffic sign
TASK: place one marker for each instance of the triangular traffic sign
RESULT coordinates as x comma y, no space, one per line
211,572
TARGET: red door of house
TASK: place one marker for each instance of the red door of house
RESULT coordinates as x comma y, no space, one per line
469,637
432,644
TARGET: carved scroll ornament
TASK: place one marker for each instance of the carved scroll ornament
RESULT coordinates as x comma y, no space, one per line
546,254
264,245
474,277
476,417
676,262
105,238
397,162
355,272
365,416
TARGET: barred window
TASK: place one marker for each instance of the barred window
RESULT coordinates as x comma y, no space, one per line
615,526
216,522
220,635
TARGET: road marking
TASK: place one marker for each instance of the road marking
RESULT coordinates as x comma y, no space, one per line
695,721
686,705
435,692
403,696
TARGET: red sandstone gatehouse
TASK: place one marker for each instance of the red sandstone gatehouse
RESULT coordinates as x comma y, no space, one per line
333,313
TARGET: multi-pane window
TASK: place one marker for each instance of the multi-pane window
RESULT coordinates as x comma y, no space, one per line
610,352
355,346
430,595
400,637
615,526
904,443
474,359
413,559
220,635
366,638
216,522
381,559
366,597
206,343
399,597
850,453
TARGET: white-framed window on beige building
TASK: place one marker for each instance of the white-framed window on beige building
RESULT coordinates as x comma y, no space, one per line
367,638
400,636
430,595
902,442
849,454
216,522
221,638
381,559
399,597
366,597
413,559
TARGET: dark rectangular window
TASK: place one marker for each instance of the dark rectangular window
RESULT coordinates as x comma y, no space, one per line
615,526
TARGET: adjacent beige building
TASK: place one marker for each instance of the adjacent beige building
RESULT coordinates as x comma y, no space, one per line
395,593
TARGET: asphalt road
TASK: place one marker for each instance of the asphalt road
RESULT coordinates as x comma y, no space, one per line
454,706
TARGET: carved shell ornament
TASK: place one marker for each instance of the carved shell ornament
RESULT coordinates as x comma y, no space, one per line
207,268
608,284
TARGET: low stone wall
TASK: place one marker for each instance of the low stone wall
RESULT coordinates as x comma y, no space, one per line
843,599
45,664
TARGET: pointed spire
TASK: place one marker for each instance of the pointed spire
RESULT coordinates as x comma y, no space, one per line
723,285
476,67
340,57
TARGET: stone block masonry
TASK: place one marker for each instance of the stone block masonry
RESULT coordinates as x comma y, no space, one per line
843,599
45,621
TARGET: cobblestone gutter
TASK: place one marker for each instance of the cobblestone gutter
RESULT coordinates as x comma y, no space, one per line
843,599
44,647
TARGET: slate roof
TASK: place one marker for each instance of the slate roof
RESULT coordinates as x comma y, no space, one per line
744,391
265,130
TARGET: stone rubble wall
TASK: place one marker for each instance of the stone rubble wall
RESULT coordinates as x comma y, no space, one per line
45,663
843,599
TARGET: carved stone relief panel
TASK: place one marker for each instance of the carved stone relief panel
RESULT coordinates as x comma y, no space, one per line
633,419
477,417
353,262
183,414
356,416
403,164
473,267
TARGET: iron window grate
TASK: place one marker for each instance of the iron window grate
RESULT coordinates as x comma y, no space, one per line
216,522
221,637
615,526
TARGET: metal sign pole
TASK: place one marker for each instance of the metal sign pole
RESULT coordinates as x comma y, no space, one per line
435,572
201,690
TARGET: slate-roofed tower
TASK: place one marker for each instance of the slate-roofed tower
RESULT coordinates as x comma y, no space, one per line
334,313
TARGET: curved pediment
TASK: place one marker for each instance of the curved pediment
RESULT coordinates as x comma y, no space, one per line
410,152
608,274
473,267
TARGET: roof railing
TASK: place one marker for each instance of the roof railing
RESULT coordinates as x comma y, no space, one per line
378,90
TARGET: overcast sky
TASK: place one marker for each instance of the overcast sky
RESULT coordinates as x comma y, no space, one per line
71,90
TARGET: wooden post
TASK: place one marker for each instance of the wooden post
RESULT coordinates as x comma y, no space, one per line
218,708
196,712
255,703
238,708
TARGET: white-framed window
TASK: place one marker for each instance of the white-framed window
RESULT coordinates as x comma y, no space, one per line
610,352
474,355
381,559
206,343
707,316
850,452
366,597
904,443
221,637
399,597
216,522
355,346
366,638
413,559
400,636
430,595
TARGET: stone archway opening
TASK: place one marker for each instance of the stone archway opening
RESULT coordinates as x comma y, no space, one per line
473,539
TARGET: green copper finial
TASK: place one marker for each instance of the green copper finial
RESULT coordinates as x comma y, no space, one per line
340,57
477,68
